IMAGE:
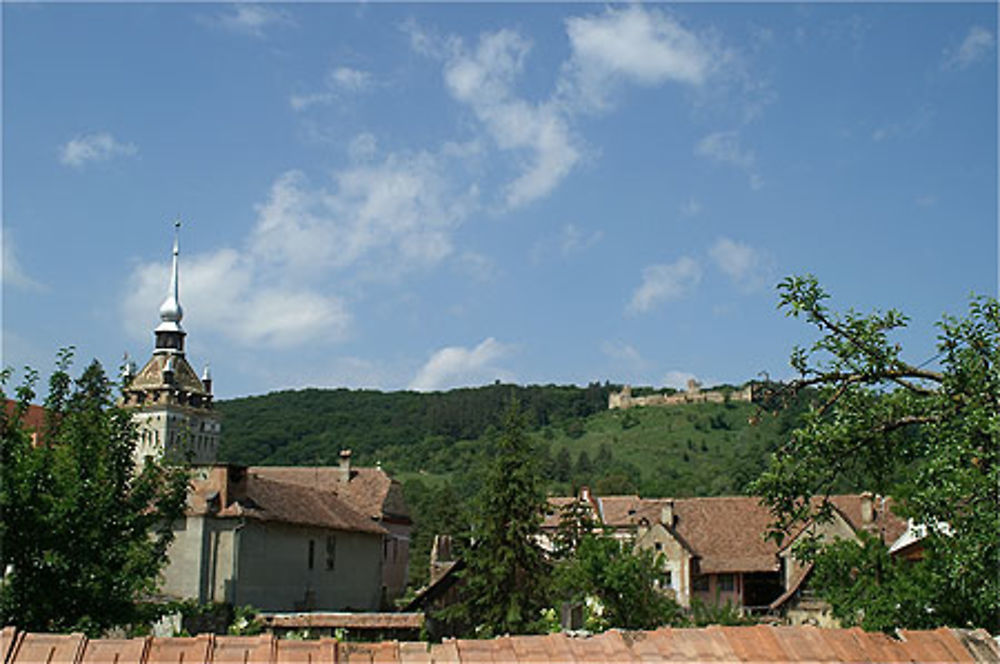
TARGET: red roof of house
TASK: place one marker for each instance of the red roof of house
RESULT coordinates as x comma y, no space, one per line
236,492
370,490
759,643
33,418
727,533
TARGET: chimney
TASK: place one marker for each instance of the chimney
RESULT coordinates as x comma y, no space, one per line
344,466
440,556
585,494
667,516
867,508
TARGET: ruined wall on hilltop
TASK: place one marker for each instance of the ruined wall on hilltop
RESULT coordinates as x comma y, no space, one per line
624,400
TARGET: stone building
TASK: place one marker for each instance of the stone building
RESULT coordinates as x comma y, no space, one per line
279,538
248,539
170,403
714,550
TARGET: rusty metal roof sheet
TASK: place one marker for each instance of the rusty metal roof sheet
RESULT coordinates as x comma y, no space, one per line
287,651
758,643
33,647
112,651
178,650
344,620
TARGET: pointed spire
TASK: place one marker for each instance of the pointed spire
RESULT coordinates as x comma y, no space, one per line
170,310
169,333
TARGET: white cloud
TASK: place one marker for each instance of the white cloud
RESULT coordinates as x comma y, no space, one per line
387,217
300,102
339,82
13,273
350,79
977,45
678,379
455,366
222,292
724,147
483,80
749,268
574,240
478,266
636,45
249,18
665,282
94,147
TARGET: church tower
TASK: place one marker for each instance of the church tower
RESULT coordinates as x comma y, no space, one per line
172,407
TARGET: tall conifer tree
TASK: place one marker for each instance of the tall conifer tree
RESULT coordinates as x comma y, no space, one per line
506,575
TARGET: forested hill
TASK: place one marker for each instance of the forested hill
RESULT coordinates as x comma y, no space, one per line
695,449
311,426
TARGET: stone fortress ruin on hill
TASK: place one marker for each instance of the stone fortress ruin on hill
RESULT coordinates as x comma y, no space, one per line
693,394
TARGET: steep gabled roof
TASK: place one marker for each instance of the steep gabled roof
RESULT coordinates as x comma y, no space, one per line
727,533
264,499
370,491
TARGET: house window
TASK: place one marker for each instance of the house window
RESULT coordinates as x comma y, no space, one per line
331,551
726,583
658,546
700,583
312,553
666,579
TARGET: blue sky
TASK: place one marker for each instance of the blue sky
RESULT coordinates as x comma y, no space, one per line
431,195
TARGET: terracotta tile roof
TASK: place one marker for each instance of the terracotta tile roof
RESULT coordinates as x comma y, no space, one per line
891,525
370,490
759,643
798,578
727,533
33,418
232,491
268,500
344,620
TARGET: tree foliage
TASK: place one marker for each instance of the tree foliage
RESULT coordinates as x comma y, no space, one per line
930,438
622,580
506,574
83,537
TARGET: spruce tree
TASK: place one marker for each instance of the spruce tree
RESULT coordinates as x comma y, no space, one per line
506,575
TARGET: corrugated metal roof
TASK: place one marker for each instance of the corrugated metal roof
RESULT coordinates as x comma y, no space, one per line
760,643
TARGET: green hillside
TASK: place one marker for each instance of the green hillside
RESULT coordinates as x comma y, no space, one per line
437,444
695,449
